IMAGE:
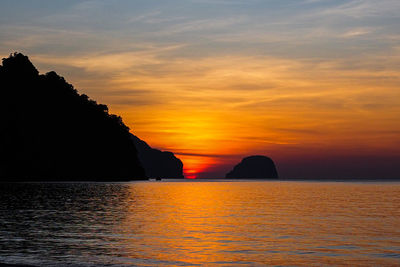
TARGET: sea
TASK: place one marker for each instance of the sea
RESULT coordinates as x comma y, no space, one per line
201,223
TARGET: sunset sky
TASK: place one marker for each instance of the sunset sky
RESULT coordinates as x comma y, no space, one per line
314,84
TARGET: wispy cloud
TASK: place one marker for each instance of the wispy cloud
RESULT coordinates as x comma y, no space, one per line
210,78
203,24
356,32
365,8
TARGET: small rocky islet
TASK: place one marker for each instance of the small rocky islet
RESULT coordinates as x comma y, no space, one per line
254,167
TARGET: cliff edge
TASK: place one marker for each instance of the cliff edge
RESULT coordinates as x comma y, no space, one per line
50,132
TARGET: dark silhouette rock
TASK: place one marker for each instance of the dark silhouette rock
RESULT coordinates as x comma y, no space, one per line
157,163
50,132
254,167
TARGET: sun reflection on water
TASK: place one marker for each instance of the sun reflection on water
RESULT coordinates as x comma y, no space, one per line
186,223
198,223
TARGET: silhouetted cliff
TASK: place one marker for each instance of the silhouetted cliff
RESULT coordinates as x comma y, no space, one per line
156,163
254,167
51,132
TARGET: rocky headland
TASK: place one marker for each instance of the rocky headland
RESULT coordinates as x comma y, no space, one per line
50,132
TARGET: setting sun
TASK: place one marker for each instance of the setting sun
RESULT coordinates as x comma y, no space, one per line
286,81
199,133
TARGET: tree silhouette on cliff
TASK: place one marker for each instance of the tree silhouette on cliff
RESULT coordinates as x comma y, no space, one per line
49,131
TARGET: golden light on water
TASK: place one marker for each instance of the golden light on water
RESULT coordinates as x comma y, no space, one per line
265,223
313,84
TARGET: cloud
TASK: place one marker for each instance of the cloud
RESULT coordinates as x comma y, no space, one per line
362,9
201,155
356,32
111,61
228,77
202,25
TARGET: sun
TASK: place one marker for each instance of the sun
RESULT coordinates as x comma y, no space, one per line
191,174
194,165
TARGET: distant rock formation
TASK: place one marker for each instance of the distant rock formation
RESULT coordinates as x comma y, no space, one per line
254,167
157,163
50,132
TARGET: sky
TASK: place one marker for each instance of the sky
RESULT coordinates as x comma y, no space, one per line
313,84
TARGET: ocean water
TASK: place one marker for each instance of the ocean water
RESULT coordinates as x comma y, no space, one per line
200,223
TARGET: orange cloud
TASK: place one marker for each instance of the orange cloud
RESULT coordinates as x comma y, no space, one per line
237,105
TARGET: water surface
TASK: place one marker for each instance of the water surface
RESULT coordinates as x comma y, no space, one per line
191,223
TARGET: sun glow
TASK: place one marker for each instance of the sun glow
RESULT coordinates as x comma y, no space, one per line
219,107
194,165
